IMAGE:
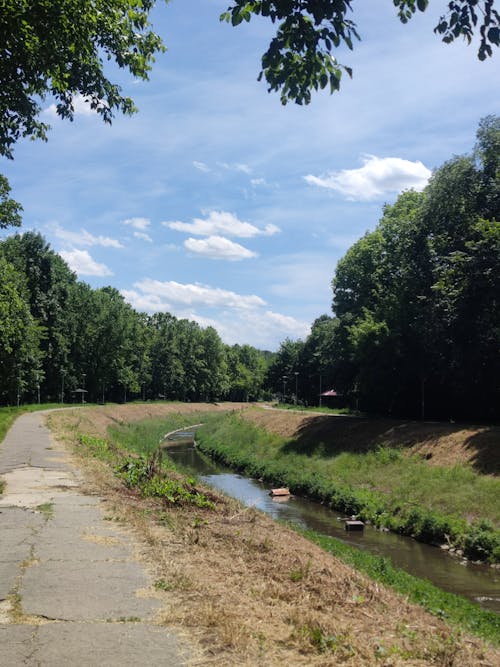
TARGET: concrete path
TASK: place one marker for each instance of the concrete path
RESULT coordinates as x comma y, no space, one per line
71,591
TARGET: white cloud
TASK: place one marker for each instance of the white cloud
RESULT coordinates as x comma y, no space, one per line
243,168
258,181
218,247
188,294
143,236
81,262
83,237
377,177
146,303
263,329
237,318
138,223
201,166
81,105
221,222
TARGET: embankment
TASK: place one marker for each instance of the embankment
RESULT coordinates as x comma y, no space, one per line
434,482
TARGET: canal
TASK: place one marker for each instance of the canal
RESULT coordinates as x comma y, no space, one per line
478,583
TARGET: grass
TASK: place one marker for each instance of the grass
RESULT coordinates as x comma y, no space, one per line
385,486
144,437
147,469
317,611
452,608
47,509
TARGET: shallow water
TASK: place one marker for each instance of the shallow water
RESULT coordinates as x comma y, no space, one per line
479,583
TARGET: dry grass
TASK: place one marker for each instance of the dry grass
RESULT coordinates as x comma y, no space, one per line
248,592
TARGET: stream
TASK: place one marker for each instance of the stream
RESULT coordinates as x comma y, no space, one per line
478,583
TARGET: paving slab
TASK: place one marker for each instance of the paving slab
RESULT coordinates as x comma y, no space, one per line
85,591
86,644
82,597
16,645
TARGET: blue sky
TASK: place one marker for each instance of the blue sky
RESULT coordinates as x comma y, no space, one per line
217,203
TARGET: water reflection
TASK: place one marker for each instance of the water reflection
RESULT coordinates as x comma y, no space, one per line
476,582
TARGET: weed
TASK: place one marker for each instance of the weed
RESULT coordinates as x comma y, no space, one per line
300,573
163,585
97,447
146,475
47,509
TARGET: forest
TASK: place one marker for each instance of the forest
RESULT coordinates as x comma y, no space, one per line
58,335
415,329
416,302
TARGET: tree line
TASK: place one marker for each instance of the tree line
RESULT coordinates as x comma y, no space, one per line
58,335
416,302
415,329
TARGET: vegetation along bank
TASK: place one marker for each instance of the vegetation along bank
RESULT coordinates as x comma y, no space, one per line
414,479
245,590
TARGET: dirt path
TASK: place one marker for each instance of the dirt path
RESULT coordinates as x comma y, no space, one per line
72,590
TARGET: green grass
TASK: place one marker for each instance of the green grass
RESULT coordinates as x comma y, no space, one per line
47,509
148,470
385,486
454,609
143,437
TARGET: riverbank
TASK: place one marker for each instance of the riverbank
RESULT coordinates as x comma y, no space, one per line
379,470
245,590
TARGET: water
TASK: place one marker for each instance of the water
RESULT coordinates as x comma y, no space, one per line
479,583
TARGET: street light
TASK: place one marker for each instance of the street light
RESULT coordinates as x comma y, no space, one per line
38,387
284,378
84,375
317,356
296,385
63,371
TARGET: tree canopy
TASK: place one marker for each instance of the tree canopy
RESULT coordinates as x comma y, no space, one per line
60,50
300,56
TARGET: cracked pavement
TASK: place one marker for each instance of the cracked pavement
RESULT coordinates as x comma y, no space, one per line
71,590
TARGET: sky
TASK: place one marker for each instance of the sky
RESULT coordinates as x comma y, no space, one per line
218,204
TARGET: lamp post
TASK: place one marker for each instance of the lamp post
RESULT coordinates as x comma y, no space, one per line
317,356
18,390
38,388
84,375
63,371
296,385
284,378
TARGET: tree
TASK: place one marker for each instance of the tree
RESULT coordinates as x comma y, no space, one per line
20,354
10,210
48,279
299,58
417,299
59,49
